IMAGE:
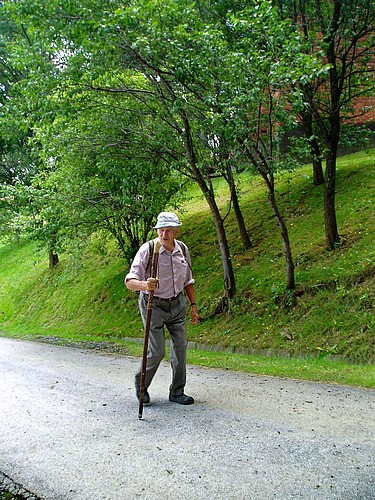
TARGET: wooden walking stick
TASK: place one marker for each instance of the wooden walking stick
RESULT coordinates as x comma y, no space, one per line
154,265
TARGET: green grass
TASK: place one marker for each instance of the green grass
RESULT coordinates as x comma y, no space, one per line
85,298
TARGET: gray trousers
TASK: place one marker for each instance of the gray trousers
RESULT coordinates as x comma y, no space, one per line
171,315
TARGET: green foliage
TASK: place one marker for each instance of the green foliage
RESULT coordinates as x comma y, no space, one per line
104,178
111,102
98,167
332,315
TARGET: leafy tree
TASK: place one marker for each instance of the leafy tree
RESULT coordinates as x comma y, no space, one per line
121,95
257,112
91,162
159,43
105,178
193,85
342,34
17,163
222,85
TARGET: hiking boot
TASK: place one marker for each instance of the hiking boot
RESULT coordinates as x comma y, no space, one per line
181,399
146,396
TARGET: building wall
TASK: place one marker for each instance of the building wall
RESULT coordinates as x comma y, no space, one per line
370,115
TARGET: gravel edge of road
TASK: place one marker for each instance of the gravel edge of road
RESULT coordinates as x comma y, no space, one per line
11,490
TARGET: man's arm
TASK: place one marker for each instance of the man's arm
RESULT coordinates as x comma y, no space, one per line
141,286
189,289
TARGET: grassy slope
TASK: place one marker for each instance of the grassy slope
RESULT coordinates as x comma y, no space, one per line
85,297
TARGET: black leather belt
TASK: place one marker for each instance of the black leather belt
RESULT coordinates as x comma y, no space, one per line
167,300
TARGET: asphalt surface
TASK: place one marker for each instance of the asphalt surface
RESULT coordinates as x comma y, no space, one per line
69,429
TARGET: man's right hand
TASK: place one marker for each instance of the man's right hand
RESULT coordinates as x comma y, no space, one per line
151,284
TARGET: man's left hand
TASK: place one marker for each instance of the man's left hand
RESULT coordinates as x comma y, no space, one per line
194,315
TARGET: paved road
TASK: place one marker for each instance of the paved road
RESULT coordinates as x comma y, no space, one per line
69,429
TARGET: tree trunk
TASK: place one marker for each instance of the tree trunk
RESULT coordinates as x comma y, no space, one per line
317,171
270,183
332,235
290,281
229,281
53,256
53,259
246,242
314,147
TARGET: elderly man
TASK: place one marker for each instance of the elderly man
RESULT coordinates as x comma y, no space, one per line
174,276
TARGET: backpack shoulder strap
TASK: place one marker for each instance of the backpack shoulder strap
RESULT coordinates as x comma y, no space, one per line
183,246
151,244
184,251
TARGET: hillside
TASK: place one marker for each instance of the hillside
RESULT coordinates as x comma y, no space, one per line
84,297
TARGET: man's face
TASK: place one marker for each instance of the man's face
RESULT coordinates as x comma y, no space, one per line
167,235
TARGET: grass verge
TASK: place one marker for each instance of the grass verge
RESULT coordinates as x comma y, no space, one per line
317,369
